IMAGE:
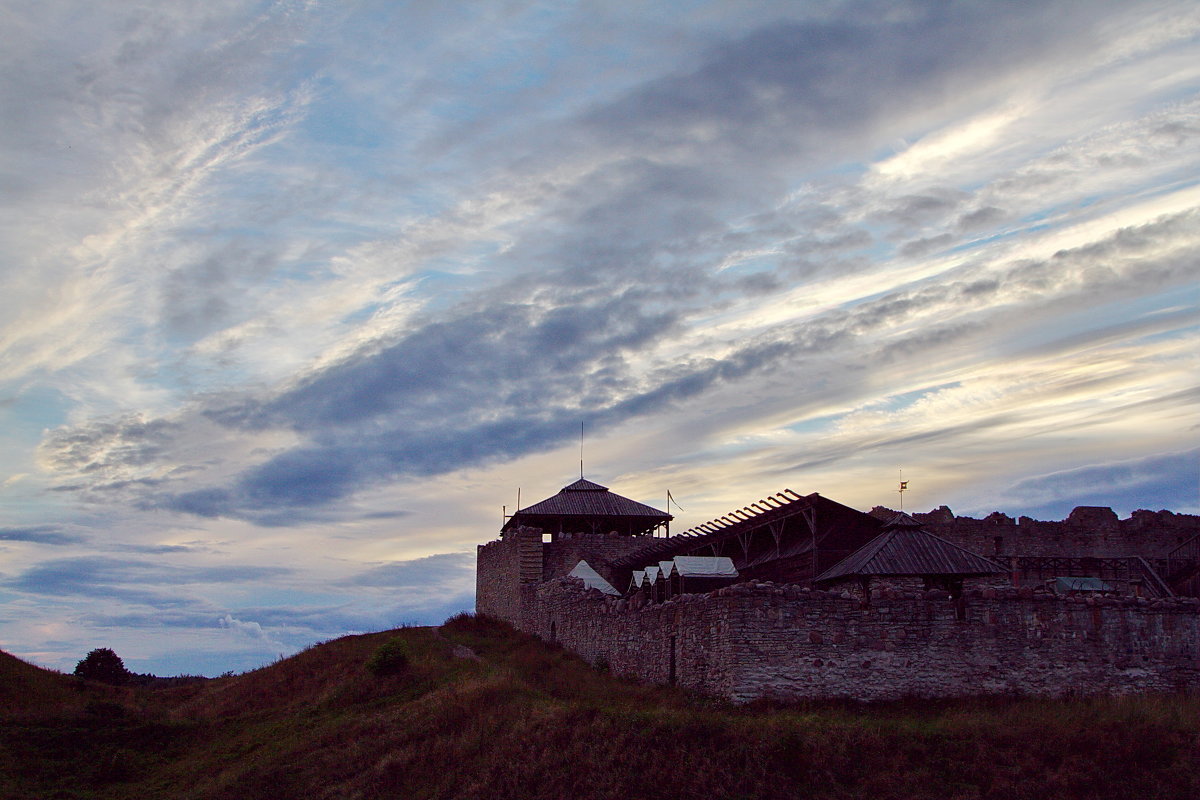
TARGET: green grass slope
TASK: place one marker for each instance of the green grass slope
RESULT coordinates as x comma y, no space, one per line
524,720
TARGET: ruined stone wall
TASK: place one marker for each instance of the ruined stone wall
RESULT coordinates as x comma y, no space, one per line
761,640
1088,531
497,580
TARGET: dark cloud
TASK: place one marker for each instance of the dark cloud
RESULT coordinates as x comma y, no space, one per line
198,298
130,440
922,247
425,572
41,534
485,387
97,577
1170,481
915,211
141,582
799,84
981,218
373,515
154,549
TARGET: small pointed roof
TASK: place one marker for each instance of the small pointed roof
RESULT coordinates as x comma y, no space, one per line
902,520
587,506
584,485
905,549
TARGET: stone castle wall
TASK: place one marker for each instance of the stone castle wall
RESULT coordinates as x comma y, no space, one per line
756,640
560,557
498,580
506,568
761,640
1087,532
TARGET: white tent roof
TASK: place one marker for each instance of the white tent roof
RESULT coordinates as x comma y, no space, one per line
583,570
666,568
639,577
652,574
705,567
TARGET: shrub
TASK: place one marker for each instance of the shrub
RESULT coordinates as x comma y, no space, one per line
390,659
103,665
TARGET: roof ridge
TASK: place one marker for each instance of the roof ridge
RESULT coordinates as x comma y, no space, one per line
584,485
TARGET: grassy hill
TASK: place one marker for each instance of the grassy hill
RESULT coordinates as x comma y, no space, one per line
525,720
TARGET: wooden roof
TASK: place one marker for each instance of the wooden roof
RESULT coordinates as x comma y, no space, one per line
905,549
773,530
587,505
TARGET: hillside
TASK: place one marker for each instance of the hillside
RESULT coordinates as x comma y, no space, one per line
524,720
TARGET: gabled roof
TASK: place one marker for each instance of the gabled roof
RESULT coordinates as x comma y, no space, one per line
584,499
905,550
592,579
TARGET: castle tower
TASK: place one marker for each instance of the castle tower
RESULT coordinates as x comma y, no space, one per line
583,522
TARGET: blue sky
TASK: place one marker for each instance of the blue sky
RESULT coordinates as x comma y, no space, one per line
299,294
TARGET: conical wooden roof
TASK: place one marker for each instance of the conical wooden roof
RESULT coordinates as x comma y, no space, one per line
584,505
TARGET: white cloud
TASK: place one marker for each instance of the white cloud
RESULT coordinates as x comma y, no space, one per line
255,632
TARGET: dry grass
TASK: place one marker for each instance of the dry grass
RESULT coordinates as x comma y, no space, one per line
532,721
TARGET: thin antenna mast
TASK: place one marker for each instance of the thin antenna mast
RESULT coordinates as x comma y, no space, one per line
581,424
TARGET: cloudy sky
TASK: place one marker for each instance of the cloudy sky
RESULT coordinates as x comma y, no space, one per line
297,296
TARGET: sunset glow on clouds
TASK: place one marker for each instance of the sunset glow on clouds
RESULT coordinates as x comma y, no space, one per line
299,294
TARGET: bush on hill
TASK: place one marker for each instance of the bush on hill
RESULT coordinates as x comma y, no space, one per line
103,665
390,659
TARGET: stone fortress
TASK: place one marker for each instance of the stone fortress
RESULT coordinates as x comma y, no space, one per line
798,596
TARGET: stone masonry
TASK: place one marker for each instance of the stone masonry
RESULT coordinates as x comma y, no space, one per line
760,640
768,641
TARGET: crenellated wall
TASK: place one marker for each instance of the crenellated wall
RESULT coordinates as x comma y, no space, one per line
761,640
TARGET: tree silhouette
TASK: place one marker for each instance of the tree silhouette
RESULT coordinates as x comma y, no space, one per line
103,665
